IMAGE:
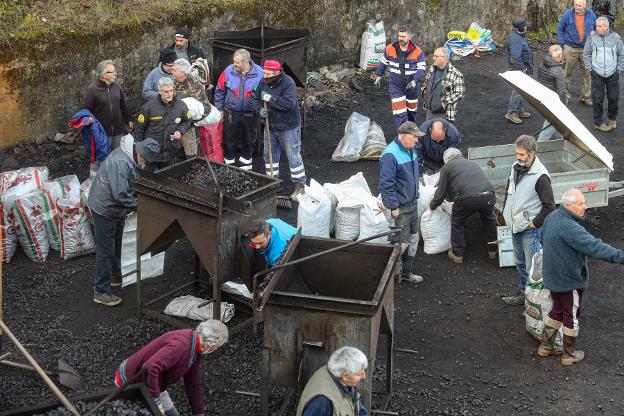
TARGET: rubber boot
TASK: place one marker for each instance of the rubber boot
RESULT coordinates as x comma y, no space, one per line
570,354
547,347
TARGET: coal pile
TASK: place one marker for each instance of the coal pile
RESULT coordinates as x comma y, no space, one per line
233,183
112,408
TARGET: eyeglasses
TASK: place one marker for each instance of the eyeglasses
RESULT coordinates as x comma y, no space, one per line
110,72
168,64
257,245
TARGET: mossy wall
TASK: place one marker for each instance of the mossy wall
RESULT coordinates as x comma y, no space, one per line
42,82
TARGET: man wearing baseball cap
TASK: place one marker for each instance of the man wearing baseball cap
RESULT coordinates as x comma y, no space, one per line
183,47
111,198
276,102
398,184
519,58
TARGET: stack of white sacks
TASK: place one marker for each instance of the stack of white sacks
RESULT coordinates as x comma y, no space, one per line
351,212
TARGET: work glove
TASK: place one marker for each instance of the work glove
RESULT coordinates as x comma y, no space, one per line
395,213
377,81
411,86
266,96
172,412
161,407
264,113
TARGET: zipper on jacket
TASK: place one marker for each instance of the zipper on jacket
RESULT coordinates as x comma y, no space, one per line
110,105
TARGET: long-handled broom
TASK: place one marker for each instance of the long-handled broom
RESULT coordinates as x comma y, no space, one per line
283,201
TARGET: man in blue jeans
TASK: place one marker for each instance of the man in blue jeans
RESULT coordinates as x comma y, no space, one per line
519,58
110,200
529,199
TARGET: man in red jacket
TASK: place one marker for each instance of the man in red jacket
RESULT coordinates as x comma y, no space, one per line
171,356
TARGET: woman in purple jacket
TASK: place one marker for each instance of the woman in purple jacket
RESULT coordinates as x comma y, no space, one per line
171,356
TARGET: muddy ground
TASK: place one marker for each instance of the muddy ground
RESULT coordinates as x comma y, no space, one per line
473,357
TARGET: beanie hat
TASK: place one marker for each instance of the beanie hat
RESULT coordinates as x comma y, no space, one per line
168,56
272,65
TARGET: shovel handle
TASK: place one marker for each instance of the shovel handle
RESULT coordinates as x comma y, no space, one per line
21,366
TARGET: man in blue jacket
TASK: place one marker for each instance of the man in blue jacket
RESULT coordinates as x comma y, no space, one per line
164,69
398,184
440,134
574,26
270,238
566,247
276,102
519,58
234,98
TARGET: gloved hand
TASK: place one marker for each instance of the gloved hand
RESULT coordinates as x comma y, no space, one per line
411,86
395,213
264,113
266,96
172,412
377,81
160,406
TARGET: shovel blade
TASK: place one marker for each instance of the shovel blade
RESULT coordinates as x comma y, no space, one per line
68,376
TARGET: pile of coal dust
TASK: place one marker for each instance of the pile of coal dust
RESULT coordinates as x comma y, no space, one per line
233,183
112,408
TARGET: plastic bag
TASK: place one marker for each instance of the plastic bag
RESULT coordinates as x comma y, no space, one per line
435,229
28,179
195,107
314,212
200,70
8,229
351,144
537,302
372,220
373,45
76,235
7,179
426,192
187,307
375,142
150,266
211,141
66,187
345,188
85,188
31,225
347,218
212,116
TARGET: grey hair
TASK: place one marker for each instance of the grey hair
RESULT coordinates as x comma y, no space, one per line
164,82
527,142
183,65
444,51
212,331
569,197
451,153
604,20
556,51
348,360
101,67
243,53
405,29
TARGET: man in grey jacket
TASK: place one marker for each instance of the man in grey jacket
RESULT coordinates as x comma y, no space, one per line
110,200
566,247
463,182
528,200
604,57
550,74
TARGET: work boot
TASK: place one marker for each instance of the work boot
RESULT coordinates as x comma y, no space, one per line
570,355
299,189
586,101
455,258
106,299
413,278
602,127
492,255
524,114
516,300
513,117
612,125
547,347
116,281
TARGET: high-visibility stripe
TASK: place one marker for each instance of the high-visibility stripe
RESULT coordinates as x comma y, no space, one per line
421,65
399,105
245,161
397,99
412,101
247,167
268,165
297,169
229,161
299,175
412,106
401,111
275,173
408,72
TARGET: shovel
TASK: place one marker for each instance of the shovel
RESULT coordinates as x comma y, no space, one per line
67,375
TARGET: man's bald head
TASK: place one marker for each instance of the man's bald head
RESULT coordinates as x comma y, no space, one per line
556,52
574,201
438,131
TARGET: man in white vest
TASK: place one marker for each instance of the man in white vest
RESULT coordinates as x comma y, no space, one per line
529,199
332,388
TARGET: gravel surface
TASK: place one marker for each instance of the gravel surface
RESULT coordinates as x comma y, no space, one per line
233,183
112,408
472,356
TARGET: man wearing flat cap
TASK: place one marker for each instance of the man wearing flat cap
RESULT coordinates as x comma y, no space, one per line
275,100
183,47
398,184
519,58
110,200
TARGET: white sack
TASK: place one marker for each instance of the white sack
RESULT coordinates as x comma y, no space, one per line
372,220
65,187
187,307
352,142
375,142
150,266
31,225
76,235
314,212
8,229
28,179
435,229
373,45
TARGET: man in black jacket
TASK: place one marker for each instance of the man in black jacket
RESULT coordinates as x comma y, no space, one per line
106,100
606,8
551,74
463,182
164,119
183,47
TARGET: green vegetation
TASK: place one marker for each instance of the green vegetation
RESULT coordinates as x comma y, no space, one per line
543,32
27,20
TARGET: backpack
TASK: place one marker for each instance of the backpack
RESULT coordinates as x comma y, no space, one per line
200,71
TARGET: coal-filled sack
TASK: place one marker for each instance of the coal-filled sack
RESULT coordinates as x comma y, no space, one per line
27,180
8,229
315,211
31,225
76,235
60,188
